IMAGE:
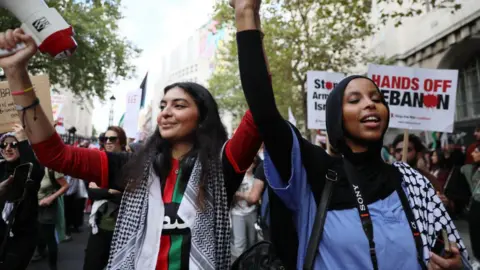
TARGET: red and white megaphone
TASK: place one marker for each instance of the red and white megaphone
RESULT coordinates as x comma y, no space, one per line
51,32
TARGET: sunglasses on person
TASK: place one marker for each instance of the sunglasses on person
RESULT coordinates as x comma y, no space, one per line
400,150
111,139
5,145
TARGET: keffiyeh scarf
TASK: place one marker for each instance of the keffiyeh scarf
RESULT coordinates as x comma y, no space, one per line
430,214
210,242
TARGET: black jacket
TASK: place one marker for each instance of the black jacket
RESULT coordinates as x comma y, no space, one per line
24,229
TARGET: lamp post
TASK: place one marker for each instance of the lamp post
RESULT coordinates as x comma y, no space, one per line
112,103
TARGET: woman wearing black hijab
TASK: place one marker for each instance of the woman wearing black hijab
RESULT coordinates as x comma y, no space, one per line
18,203
398,217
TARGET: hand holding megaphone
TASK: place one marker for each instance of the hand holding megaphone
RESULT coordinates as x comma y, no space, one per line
9,41
51,33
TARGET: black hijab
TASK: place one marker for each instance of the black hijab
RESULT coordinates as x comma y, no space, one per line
371,171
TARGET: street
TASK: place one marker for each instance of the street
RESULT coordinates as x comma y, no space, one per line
70,254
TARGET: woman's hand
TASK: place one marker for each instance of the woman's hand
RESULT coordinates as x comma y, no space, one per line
247,14
246,4
92,185
19,133
444,199
114,191
45,201
452,263
18,60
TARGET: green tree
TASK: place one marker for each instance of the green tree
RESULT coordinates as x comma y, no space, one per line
303,35
102,56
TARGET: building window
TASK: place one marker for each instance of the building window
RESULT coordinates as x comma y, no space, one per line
468,92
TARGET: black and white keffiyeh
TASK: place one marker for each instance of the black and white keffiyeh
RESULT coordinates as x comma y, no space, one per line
429,211
210,242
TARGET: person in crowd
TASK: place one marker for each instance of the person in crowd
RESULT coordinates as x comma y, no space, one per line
472,174
453,189
244,211
19,204
415,156
471,148
75,199
101,141
394,226
415,151
134,147
386,155
106,202
174,213
260,192
52,186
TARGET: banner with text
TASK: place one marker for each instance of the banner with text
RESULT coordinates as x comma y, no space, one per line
130,122
8,113
319,85
58,102
419,99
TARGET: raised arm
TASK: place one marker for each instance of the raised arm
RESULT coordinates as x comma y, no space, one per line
27,155
49,148
257,86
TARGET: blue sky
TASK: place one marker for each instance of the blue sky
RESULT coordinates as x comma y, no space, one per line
156,27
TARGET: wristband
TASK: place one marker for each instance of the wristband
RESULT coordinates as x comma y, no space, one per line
21,92
35,103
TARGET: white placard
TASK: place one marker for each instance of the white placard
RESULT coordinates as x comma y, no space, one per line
130,121
319,85
419,99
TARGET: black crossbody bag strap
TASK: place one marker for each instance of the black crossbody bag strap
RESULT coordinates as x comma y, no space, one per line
318,224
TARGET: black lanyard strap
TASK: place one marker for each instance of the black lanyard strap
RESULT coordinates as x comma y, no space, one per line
366,220
367,224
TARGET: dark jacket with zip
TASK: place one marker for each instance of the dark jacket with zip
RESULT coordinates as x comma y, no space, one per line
19,243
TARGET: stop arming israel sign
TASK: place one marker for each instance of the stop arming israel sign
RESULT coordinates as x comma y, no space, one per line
419,99
319,85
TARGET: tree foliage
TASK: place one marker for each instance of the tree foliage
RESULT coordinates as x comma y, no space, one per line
102,56
303,35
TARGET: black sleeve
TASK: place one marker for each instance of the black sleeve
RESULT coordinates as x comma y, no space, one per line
98,194
260,173
103,194
232,179
116,161
28,156
275,131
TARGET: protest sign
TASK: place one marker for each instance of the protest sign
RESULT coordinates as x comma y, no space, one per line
132,113
319,85
419,99
8,113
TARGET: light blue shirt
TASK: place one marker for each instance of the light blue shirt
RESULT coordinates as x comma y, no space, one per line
344,244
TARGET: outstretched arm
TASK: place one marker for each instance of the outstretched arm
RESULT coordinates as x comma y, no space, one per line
257,86
50,150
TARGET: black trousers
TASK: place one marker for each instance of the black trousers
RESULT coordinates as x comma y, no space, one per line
78,212
69,209
474,227
46,239
19,251
98,250
74,212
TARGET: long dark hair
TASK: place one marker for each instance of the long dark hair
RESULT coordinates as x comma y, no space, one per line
209,137
441,161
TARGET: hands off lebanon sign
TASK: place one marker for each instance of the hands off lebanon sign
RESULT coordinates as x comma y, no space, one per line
319,85
419,99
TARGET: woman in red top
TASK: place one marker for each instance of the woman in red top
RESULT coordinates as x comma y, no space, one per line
174,211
